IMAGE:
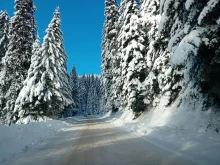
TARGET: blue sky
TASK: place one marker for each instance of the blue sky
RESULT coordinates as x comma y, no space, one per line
82,23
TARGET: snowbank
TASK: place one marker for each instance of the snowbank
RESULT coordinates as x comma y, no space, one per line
182,128
18,138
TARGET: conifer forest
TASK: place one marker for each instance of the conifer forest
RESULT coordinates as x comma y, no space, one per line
160,77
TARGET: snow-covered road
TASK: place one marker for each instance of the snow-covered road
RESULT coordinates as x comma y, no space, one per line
95,141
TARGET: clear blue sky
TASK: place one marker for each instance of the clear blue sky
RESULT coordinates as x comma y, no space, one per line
82,22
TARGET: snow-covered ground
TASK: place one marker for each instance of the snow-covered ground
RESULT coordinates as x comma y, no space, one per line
96,141
19,138
180,130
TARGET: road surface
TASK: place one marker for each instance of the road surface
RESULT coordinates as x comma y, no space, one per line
94,141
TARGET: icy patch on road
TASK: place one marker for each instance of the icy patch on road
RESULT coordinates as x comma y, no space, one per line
18,138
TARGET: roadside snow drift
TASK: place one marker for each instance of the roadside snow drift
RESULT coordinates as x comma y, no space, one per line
181,128
18,138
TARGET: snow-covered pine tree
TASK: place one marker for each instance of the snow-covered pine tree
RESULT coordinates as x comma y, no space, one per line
4,27
197,51
88,82
172,31
83,93
89,94
90,101
97,97
133,66
74,86
182,47
46,90
117,78
161,80
93,99
36,46
18,56
109,44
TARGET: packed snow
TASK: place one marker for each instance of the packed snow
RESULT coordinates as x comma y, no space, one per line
169,129
177,130
19,138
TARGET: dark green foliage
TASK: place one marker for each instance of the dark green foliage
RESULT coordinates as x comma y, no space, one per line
138,105
4,28
209,67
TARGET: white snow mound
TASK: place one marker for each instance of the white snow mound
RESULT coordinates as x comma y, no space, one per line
18,138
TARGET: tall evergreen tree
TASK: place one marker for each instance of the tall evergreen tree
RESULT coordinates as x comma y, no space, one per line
4,27
109,50
18,56
93,101
175,34
89,94
132,64
90,102
46,90
36,45
74,84
83,93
